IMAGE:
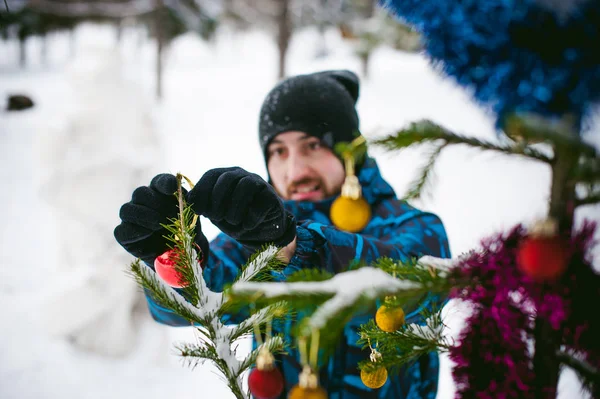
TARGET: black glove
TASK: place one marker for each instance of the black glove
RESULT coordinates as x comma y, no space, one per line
243,206
140,231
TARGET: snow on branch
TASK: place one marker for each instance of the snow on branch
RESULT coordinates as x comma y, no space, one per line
344,291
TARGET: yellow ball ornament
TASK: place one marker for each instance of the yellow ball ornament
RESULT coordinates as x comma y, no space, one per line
374,379
349,214
298,392
389,319
308,386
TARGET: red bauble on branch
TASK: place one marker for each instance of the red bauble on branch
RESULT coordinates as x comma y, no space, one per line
265,381
544,254
165,266
265,384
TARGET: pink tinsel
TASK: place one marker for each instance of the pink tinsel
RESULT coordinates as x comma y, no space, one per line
492,356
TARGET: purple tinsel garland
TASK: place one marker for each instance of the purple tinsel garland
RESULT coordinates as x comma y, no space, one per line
493,357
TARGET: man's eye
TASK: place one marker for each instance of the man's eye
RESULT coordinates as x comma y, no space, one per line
315,145
276,151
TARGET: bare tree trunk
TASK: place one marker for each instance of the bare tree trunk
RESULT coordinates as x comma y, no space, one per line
160,38
44,48
364,63
366,57
118,32
546,364
321,45
72,43
284,34
22,52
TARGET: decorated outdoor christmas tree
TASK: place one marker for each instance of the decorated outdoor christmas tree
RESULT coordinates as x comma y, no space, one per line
529,286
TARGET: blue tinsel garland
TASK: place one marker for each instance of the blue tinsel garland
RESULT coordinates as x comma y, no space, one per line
516,55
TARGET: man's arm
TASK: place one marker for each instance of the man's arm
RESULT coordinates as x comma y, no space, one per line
410,234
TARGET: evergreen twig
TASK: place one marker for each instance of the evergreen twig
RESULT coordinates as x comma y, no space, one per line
589,375
589,200
335,299
426,131
405,345
416,187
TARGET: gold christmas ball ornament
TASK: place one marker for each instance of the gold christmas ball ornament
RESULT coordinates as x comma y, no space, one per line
389,319
374,379
349,214
297,392
308,386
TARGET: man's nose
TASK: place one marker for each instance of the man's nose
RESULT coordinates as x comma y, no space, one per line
298,168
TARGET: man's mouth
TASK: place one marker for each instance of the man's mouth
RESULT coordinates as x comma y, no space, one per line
306,192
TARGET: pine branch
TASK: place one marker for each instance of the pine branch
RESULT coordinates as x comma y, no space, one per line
587,176
164,294
261,317
416,187
181,240
348,292
589,375
588,194
319,292
587,170
195,355
259,268
405,345
561,132
426,131
260,265
276,345
309,275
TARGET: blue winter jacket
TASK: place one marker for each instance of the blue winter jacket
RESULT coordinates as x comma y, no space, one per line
396,230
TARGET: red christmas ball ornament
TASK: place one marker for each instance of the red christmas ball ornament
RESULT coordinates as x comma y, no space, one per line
265,384
265,381
543,255
165,268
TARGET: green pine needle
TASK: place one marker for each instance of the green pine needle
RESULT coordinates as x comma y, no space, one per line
589,376
276,345
406,345
426,131
416,188
150,282
531,128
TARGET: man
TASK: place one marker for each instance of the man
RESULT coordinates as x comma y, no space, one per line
301,120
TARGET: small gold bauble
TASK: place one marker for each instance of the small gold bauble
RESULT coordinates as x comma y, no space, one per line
389,319
374,379
349,214
298,392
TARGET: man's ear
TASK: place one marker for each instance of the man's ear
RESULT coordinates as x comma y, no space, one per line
349,80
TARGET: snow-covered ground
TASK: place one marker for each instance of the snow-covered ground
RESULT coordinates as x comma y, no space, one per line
97,132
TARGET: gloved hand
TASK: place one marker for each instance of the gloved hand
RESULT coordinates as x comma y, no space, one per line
243,206
140,231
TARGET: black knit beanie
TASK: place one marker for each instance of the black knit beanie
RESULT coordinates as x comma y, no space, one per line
320,104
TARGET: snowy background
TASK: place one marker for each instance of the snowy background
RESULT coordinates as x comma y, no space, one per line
97,132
